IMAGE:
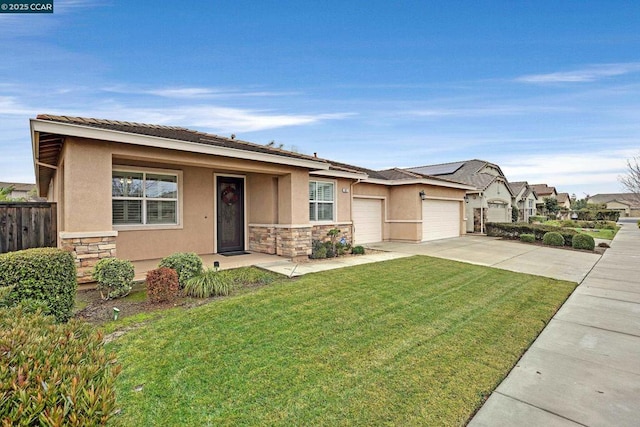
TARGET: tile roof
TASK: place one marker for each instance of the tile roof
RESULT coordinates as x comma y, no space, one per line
631,198
175,133
542,190
563,197
18,186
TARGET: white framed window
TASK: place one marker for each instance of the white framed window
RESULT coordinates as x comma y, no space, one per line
145,197
321,200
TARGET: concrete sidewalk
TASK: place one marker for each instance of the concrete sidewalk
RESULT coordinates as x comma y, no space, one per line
584,368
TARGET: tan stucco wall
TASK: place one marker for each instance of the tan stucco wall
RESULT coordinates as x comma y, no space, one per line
87,186
86,206
403,207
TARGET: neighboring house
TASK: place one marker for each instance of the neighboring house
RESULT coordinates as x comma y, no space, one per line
564,201
543,191
20,190
143,191
524,199
490,198
627,203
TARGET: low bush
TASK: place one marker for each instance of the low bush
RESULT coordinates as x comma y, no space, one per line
553,238
318,250
186,264
40,278
535,218
53,374
528,238
357,250
209,283
513,231
162,285
114,277
583,241
598,215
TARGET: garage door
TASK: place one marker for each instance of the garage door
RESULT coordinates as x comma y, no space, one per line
367,221
497,212
440,219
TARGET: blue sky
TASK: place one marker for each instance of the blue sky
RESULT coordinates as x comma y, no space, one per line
549,90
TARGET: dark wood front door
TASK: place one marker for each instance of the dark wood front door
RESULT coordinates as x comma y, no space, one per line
230,208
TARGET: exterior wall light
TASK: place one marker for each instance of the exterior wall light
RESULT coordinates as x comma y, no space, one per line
423,195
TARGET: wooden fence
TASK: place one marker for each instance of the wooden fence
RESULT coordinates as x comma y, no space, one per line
27,225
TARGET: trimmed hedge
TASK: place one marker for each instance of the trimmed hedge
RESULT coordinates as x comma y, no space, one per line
598,215
53,374
114,277
553,238
513,231
534,218
40,277
186,264
528,238
583,241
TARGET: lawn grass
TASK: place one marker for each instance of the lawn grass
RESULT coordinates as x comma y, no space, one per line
599,234
414,341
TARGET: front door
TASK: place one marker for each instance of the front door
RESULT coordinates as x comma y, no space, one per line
230,208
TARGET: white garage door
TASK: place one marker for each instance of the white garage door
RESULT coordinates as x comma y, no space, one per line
497,212
367,221
440,219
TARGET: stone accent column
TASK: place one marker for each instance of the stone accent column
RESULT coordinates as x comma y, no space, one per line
88,248
294,242
262,238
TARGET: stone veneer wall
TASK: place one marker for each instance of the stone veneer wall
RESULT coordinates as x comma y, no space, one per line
319,232
87,250
262,239
291,242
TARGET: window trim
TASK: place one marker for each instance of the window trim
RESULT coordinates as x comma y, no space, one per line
334,202
153,171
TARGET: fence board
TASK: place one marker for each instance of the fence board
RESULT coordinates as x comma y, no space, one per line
27,225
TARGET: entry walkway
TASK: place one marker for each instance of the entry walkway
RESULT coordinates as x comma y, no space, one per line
584,368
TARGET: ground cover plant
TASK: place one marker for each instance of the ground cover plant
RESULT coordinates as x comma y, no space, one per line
412,341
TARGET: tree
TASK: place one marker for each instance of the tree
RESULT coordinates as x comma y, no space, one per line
5,193
578,204
551,205
631,181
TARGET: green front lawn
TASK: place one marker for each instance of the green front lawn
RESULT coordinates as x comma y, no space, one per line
412,341
599,234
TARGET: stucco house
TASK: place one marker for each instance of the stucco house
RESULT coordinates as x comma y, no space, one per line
627,203
490,198
524,199
140,191
543,191
20,190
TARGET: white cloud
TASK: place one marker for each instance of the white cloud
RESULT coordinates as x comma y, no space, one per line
194,92
589,74
480,111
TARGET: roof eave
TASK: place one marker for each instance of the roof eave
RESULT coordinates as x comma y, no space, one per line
339,174
424,181
69,129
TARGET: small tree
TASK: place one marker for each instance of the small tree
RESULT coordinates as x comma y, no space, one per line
5,193
551,205
631,181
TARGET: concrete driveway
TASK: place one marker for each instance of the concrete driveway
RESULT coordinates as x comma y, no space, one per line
508,255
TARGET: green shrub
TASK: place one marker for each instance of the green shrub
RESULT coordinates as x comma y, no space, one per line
186,264
318,250
114,277
639,223
583,241
553,238
528,238
357,250
513,231
162,285
53,374
329,248
40,277
534,218
210,283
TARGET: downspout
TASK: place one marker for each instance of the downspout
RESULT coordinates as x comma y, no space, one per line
353,227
